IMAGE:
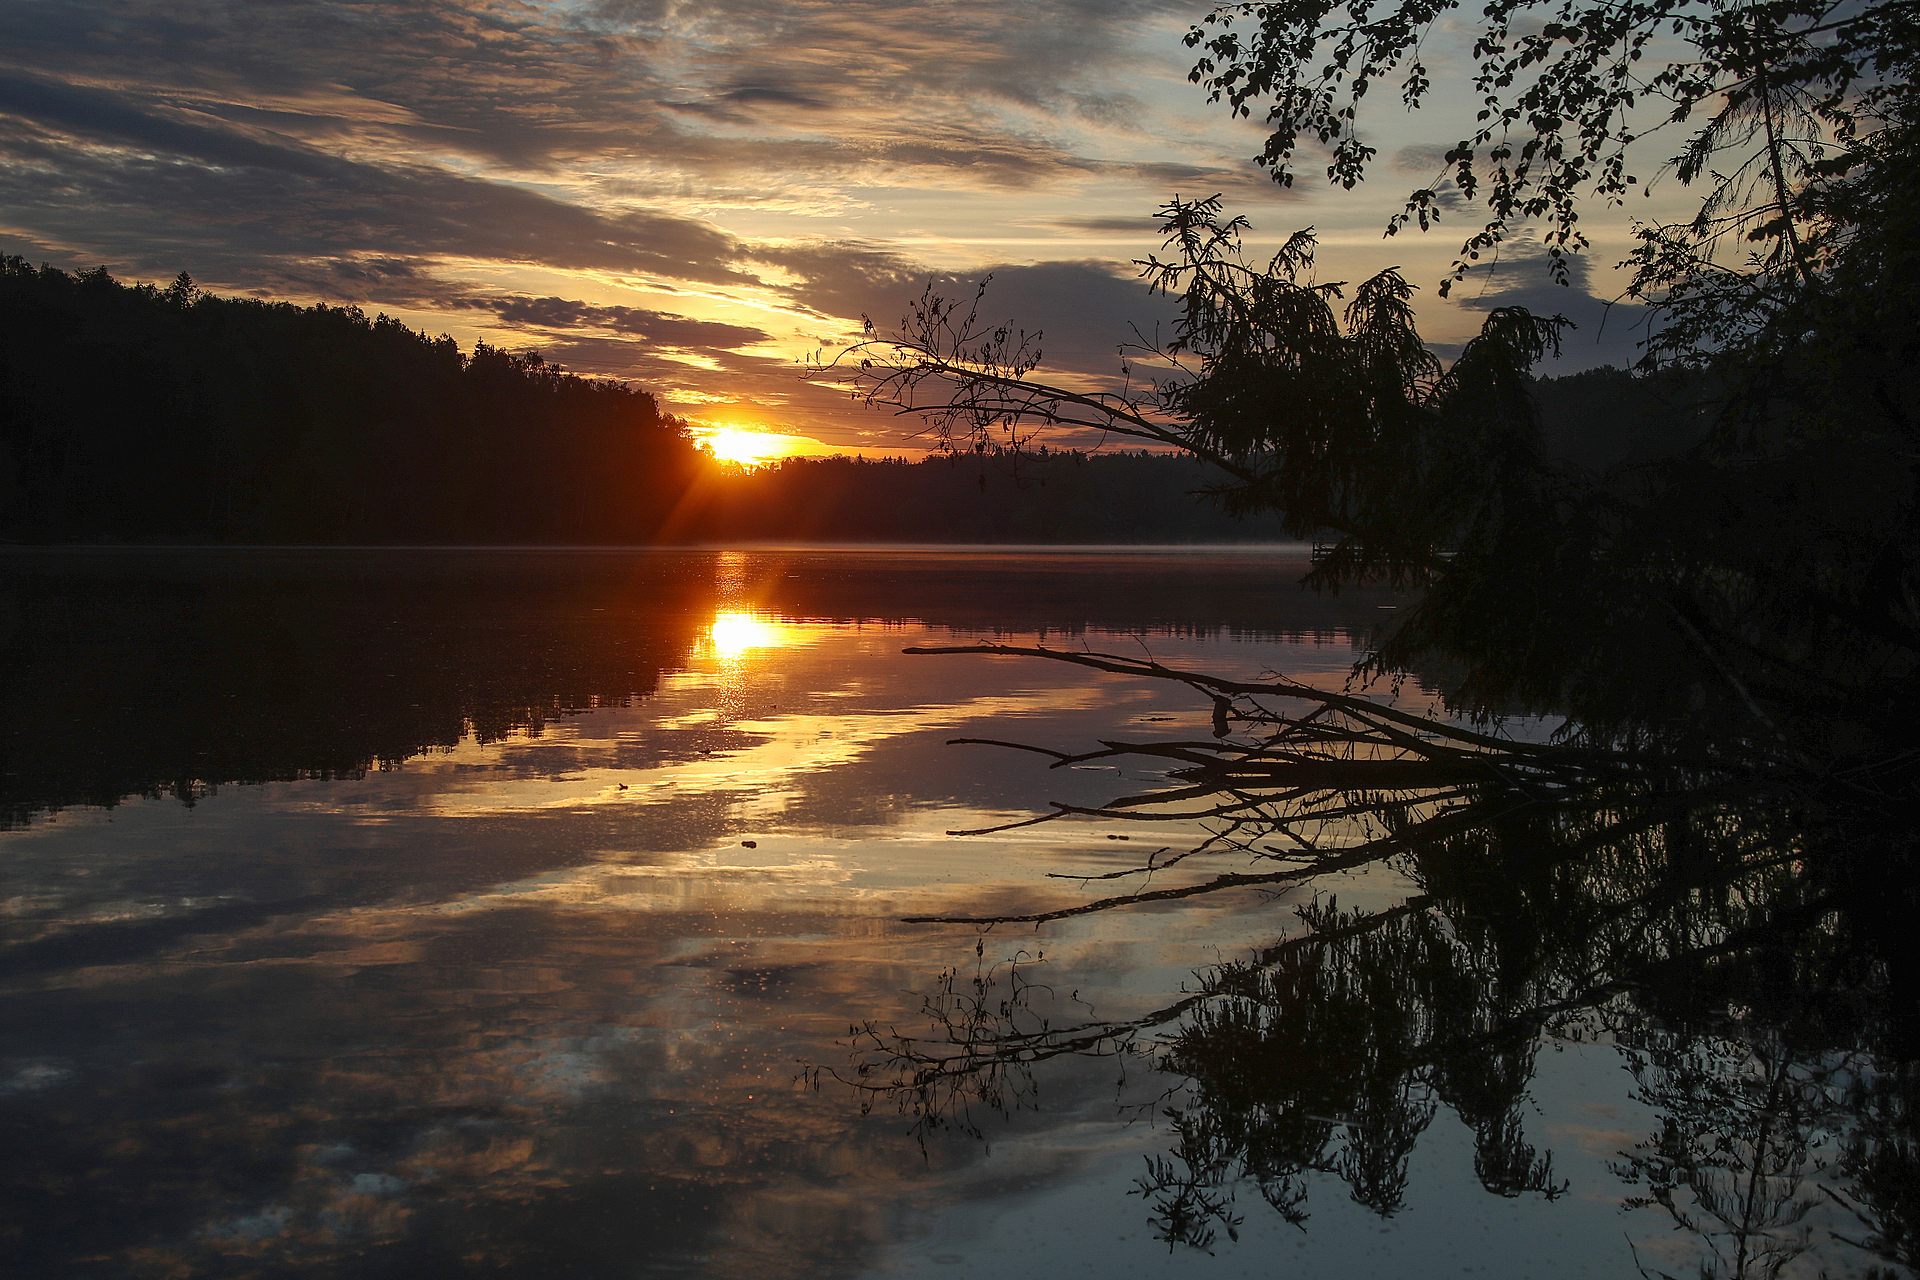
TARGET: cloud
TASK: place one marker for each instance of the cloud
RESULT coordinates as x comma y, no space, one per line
748,93
1604,332
377,100
1086,309
460,158
1423,160
543,88
153,191
658,327
1052,53
1104,226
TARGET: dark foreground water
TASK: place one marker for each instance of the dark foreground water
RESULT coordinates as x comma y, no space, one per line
481,913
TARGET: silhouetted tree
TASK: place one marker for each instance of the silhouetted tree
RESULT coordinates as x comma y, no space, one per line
1781,103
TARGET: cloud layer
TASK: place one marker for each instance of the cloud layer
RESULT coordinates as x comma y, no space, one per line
691,195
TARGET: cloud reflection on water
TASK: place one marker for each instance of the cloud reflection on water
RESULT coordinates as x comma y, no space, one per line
524,1002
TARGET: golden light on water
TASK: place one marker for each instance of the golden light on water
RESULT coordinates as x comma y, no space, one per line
733,634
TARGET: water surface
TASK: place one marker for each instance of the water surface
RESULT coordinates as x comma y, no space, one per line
489,913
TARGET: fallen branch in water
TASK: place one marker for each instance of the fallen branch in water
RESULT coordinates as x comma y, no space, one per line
1346,783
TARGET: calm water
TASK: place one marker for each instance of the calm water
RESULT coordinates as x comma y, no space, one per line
449,913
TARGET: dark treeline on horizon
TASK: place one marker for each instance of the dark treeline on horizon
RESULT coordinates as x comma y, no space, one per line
135,414
1601,421
1062,496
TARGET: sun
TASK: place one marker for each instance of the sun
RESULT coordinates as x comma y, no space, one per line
745,446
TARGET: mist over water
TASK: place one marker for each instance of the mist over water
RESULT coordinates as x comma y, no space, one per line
469,912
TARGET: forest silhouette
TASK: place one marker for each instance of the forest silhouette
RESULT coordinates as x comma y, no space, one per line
136,414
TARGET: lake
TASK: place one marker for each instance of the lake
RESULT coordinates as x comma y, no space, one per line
537,913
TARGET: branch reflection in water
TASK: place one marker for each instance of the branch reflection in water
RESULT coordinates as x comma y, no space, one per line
1730,921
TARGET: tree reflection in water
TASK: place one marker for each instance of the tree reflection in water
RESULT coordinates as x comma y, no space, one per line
1729,921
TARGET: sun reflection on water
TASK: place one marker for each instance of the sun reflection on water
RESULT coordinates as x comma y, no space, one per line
733,633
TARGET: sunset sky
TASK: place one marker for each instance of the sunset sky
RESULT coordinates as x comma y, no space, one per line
692,196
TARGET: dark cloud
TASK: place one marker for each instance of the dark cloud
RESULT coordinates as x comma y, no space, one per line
110,118
765,388
158,194
845,280
1086,309
1604,333
1096,226
1082,312
1421,161
378,279
1195,181
1040,52
659,327
774,94
250,141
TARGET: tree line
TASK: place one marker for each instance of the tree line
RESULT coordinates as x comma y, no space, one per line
130,413
136,414
1043,496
